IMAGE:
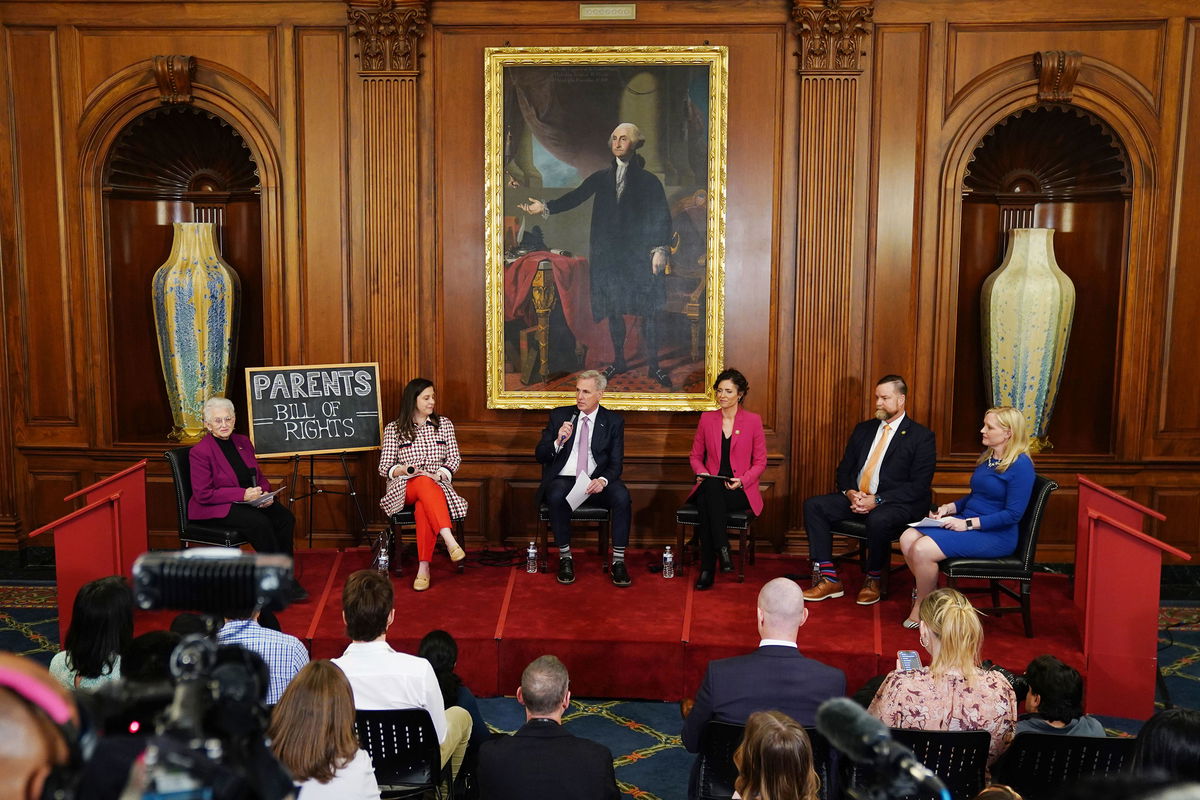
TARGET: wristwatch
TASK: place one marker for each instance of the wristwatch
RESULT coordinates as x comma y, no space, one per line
878,499
970,524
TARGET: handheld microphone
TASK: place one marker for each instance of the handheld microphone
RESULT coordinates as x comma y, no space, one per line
563,439
850,729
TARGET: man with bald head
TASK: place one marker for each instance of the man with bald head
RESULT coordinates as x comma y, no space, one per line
31,742
629,244
774,677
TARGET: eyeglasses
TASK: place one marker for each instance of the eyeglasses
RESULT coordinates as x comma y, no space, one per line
221,420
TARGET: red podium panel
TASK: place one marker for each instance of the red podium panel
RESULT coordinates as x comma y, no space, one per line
86,547
130,484
1117,574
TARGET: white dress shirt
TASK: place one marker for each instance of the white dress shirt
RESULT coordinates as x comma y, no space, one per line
383,679
777,643
573,459
895,426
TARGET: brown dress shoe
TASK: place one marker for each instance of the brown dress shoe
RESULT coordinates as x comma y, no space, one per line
868,595
823,589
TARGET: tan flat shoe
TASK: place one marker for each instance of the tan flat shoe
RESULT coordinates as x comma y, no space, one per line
421,583
457,554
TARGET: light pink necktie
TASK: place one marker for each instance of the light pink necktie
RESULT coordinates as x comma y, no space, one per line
581,449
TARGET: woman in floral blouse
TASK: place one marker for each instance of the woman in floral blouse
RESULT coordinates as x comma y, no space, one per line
952,693
419,458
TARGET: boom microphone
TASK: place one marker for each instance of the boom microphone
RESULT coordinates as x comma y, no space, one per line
850,729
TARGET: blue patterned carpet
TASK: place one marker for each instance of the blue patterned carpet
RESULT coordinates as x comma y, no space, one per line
651,764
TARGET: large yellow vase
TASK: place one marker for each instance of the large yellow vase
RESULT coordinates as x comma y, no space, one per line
196,310
1028,306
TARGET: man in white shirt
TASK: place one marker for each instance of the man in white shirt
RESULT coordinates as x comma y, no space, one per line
384,679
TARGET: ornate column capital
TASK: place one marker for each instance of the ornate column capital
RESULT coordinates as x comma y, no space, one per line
387,32
832,34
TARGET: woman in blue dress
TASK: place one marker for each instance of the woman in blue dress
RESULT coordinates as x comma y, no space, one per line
984,523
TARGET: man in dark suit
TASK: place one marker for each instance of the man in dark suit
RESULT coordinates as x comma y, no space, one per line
883,481
585,440
774,677
542,759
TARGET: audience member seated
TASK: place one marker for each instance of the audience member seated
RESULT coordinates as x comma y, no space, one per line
147,659
542,759
984,523
775,760
419,458
882,481
729,443
32,746
101,627
441,651
283,653
1169,745
384,679
1054,703
187,622
228,487
952,693
312,733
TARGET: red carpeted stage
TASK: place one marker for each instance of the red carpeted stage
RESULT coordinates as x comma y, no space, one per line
652,640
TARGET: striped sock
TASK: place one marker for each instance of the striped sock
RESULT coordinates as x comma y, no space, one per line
874,573
828,571
564,551
618,554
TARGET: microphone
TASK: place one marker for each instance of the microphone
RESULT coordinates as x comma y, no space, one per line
850,729
562,439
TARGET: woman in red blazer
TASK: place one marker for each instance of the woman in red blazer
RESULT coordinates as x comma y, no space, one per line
730,444
228,486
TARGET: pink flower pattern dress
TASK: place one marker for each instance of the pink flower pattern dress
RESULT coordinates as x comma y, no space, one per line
919,700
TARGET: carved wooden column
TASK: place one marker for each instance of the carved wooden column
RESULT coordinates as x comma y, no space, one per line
387,34
830,295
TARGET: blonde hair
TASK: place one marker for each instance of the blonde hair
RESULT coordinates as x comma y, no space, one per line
950,617
1012,421
775,760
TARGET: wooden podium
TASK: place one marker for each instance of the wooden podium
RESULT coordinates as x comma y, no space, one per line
1117,574
103,538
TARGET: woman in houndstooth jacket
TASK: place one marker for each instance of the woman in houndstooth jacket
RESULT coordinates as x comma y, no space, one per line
419,459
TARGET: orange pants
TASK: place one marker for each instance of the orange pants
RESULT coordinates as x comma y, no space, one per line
429,507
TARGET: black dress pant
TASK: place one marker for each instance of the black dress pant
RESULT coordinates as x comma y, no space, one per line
884,525
615,498
269,530
715,503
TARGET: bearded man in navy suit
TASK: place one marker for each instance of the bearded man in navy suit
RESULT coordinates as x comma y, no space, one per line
882,481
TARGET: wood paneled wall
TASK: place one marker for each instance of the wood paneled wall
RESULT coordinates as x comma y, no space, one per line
848,143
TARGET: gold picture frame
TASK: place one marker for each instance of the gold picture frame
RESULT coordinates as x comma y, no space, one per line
563,295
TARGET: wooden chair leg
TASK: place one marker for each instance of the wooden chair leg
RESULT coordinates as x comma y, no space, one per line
603,535
461,537
544,549
995,594
680,556
741,554
1027,608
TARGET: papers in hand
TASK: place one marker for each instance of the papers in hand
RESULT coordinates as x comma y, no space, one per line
578,492
930,522
262,499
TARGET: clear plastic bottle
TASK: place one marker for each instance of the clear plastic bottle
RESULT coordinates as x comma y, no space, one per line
531,558
668,570
382,561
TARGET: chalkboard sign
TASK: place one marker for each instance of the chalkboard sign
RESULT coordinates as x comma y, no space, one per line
323,408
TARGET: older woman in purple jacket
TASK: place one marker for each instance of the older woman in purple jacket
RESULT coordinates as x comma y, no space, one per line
229,488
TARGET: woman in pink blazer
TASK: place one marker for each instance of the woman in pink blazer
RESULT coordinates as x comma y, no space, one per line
729,444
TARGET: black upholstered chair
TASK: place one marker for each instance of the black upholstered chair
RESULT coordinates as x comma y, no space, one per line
1018,567
1039,765
404,750
854,529
716,773
959,758
587,514
407,520
688,515
207,532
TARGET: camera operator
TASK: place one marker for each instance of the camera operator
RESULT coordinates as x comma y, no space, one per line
36,750
1054,703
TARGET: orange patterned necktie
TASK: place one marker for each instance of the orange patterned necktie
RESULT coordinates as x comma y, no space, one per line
864,482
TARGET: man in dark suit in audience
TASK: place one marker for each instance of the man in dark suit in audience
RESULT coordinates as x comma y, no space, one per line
585,440
882,481
542,759
776,676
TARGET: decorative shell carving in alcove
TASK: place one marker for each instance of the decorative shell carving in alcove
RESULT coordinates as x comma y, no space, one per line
1049,151
169,152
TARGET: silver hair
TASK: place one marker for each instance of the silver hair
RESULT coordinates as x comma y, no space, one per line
593,375
214,403
635,133
544,684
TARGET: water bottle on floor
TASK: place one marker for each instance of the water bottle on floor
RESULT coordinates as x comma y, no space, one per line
531,558
668,563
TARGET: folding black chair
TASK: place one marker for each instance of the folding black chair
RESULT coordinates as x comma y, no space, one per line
959,758
404,750
1039,765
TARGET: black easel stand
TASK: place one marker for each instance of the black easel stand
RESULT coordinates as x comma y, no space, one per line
315,489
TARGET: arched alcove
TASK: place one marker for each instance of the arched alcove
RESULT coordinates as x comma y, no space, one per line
167,165
1048,166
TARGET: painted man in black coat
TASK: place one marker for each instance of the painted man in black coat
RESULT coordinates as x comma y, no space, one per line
630,241
542,759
